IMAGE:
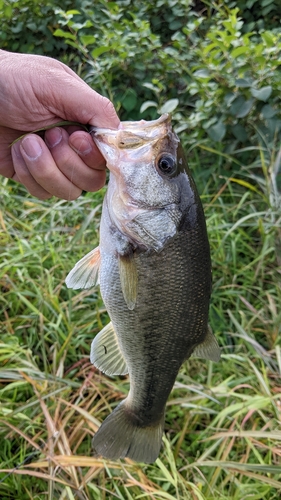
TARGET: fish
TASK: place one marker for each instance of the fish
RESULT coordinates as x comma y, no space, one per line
153,266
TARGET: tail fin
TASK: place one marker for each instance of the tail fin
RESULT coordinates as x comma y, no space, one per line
120,436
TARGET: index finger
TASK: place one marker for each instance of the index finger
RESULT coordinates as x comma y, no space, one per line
74,100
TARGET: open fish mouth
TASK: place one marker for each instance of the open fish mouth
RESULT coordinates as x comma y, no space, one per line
130,125
132,135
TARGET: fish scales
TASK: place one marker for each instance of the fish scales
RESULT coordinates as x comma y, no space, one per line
155,280
153,321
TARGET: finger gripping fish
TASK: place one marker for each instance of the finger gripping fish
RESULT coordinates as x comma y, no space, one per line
154,269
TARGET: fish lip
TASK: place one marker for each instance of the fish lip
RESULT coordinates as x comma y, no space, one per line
98,130
144,124
131,126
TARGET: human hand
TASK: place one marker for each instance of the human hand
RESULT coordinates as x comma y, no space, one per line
35,92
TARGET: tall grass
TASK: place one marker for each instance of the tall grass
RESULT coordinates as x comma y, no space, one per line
222,432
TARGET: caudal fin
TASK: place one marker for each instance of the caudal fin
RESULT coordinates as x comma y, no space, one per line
120,436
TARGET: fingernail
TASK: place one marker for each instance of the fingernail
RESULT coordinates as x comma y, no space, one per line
53,137
31,147
81,145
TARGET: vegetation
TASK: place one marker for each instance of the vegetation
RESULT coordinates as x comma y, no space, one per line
217,69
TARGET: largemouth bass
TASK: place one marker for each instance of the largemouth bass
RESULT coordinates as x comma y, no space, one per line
154,269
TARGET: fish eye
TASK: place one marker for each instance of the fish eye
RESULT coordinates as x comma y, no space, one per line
167,164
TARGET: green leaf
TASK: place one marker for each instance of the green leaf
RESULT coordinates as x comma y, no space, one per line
240,107
229,98
31,26
274,125
8,11
262,94
240,132
174,25
87,39
268,111
148,104
99,50
267,2
239,51
250,3
236,104
152,87
217,132
130,100
269,38
243,82
17,29
202,73
169,106
72,12
245,109
64,34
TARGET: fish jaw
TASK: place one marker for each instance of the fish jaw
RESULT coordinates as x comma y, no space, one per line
132,134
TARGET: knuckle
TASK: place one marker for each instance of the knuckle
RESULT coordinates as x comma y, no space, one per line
7,171
42,196
22,173
73,195
107,107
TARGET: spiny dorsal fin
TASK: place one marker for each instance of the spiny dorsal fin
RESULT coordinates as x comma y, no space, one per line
85,272
106,354
209,348
128,279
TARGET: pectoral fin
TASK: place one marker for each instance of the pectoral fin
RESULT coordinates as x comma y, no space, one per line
128,279
106,354
85,272
209,348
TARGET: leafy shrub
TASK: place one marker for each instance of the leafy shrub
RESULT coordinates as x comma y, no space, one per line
233,82
225,84
256,14
28,25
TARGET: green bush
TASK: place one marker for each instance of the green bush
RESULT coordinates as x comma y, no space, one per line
224,85
257,14
233,82
28,26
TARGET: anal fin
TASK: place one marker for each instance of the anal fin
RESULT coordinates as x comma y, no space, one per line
85,272
106,354
209,348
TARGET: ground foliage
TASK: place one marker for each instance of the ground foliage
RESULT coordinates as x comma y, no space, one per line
217,69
